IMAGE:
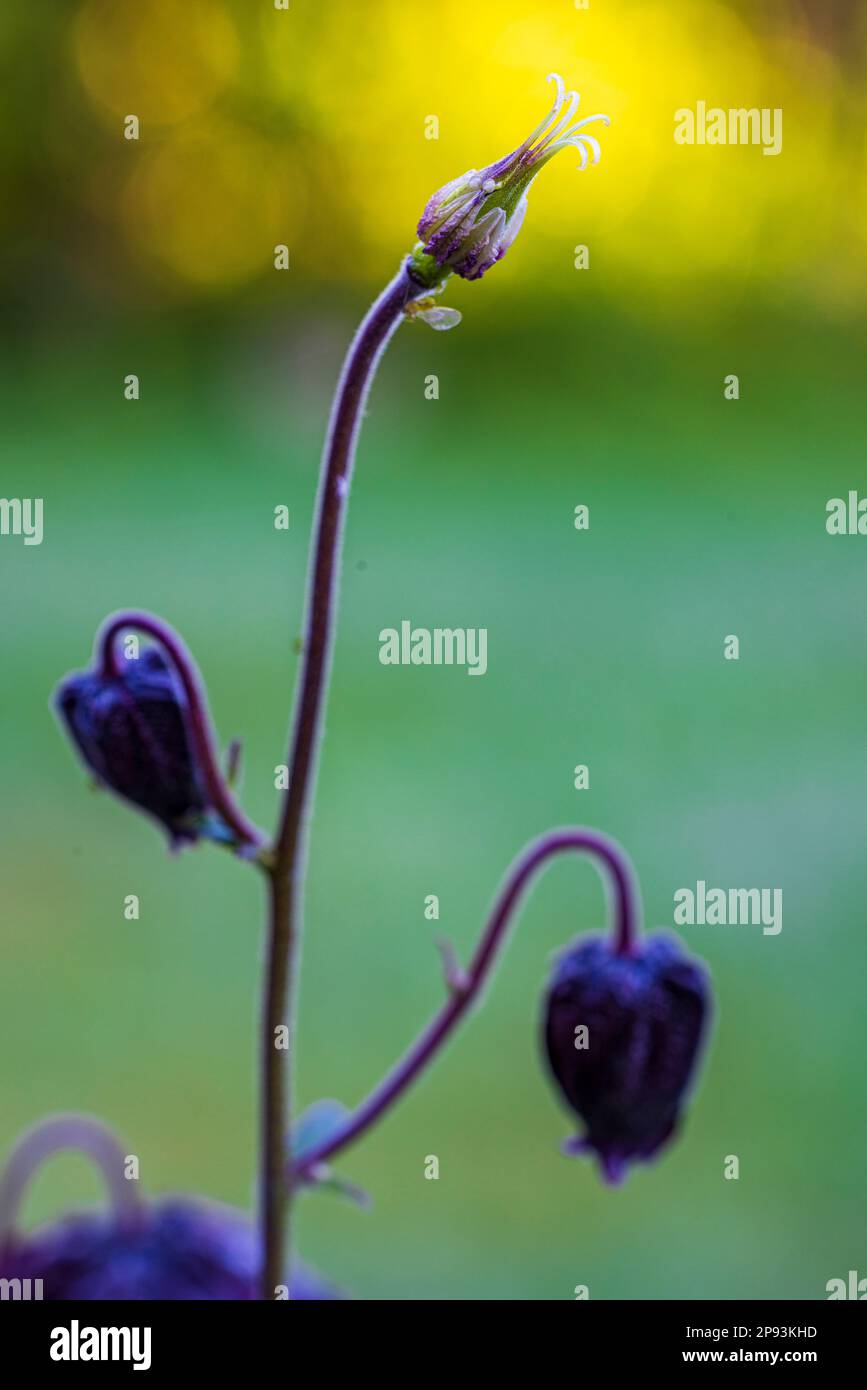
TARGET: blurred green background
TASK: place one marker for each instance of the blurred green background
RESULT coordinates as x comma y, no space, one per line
560,387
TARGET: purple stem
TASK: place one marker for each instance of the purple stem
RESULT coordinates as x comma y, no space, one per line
200,728
466,990
287,871
49,1137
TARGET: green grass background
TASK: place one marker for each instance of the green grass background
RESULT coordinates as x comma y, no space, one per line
605,647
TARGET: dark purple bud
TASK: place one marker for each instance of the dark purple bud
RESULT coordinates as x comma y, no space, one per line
622,1033
179,1249
132,730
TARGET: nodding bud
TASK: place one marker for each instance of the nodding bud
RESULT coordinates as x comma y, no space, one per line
179,1249
622,1034
131,727
470,223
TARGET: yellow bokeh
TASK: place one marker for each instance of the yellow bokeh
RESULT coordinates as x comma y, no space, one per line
212,203
336,99
156,59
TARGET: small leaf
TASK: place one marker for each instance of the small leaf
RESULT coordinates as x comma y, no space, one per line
315,1127
317,1124
323,1178
440,317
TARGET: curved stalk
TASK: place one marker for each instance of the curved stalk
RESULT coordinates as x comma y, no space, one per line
79,1132
465,988
287,868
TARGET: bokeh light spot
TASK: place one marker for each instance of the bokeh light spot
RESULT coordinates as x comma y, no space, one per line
156,59
211,204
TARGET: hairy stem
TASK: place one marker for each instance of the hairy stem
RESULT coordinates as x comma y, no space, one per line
466,988
287,870
200,727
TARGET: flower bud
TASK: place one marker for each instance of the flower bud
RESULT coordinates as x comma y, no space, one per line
174,1250
470,223
622,1034
131,729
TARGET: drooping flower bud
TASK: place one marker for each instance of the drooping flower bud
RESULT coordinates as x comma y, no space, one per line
131,728
470,223
622,1034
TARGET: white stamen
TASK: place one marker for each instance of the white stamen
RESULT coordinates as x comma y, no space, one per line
593,145
572,100
552,114
578,141
561,87
587,119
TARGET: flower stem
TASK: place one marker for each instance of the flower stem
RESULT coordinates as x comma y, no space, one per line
200,727
287,869
466,989
49,1137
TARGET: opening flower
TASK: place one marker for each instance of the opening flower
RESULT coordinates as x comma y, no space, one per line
470,223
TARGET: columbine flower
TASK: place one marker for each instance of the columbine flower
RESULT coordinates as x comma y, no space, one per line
644,1014
470,223
180,1248
131,730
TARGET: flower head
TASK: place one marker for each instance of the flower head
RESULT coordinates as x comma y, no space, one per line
622,1034
131,728
180,1249
470,223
